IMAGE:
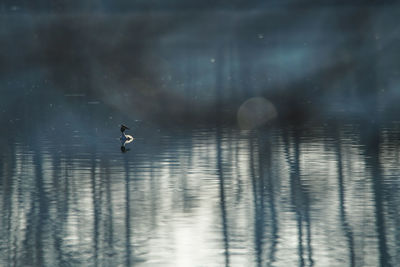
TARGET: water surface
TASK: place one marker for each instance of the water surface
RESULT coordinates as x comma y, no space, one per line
322,195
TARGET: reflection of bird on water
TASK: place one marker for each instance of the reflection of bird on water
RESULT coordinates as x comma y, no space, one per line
125,138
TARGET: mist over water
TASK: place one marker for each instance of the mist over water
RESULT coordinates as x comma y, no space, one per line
185,64
265,135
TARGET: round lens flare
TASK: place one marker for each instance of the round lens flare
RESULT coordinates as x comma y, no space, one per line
255,112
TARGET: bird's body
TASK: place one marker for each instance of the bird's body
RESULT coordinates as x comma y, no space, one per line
126,138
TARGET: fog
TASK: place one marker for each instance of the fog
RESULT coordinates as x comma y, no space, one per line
187,64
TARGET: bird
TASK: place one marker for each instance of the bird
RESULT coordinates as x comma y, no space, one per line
125,138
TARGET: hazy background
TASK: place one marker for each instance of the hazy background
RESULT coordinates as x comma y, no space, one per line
180,62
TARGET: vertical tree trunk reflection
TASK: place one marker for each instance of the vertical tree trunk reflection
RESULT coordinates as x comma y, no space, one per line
264,185
267,160
62,200
127,215
258,199
343,217
110,228
220,171
300,199
219,87
6,185
43,210
96,210
222,197
309,243
371,139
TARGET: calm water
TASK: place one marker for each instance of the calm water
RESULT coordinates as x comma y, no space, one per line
321,195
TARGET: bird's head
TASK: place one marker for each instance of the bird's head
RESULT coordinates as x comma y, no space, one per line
123,128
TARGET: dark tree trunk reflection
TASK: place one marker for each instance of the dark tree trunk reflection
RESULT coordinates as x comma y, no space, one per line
370,137
257,179
271,198
299,196
96,210
266,187
8,171
341,183
222,198
110,212
43,209
128,248
220,170
60,183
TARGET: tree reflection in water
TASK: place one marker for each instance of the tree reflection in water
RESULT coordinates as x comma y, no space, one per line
273,197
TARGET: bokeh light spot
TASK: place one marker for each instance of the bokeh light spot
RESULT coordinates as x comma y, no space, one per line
255,112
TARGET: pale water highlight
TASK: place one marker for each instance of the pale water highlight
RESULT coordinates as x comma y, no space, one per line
318,196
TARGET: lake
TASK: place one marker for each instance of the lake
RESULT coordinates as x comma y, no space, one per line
318,195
